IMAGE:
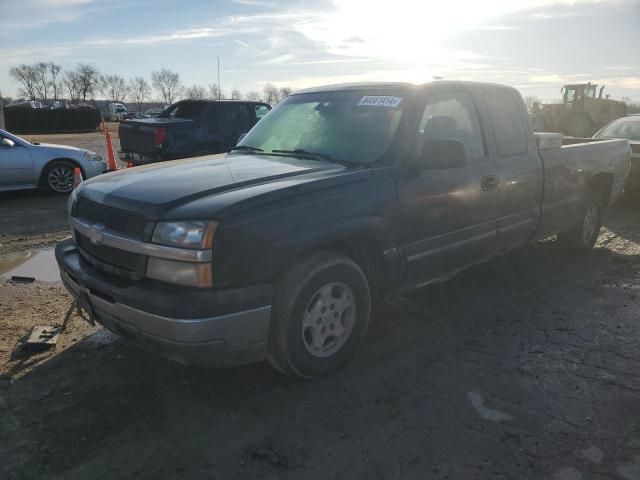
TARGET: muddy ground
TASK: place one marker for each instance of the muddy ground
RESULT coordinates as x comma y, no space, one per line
527,367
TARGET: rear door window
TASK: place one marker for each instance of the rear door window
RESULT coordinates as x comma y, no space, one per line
211,117
509,130
236,118
190,110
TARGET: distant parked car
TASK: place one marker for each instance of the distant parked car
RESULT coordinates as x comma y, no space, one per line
25,165
59,105
25,104
153,112
189,128
628,128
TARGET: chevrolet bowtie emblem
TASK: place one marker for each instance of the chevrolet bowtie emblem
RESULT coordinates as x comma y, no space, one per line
96,233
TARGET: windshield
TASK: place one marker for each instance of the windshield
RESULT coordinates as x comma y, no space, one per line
629,129
184,110
352,126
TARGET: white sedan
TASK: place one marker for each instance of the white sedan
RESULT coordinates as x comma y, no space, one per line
25,165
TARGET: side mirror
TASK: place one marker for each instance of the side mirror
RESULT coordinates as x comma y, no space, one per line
7,143
443,154
241,137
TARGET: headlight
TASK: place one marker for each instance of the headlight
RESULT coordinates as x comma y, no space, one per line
190,234
181,273
92,156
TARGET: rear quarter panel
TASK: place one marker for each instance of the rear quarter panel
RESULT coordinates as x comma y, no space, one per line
568,171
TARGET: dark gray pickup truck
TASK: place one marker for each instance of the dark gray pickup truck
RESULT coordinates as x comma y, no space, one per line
340,197
188,128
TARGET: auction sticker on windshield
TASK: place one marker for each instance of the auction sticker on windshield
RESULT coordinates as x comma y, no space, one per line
380,101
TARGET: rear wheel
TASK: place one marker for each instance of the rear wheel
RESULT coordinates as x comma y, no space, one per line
58,176
320,315
583,235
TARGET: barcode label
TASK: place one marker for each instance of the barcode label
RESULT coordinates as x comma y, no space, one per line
380,101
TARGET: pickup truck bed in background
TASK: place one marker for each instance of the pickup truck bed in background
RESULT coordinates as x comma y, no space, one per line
187,129
340,197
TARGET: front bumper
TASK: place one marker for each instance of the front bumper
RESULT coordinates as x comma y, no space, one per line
222,340
136,158
93,169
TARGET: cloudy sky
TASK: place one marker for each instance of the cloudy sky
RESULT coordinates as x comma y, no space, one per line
535,45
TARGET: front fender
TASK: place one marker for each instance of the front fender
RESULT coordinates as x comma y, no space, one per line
371,230
257,248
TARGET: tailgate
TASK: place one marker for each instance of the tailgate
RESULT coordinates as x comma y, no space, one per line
138,136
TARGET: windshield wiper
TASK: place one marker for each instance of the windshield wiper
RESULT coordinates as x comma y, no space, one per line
316,156
246,147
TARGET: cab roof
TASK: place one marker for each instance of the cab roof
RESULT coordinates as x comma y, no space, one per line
396,86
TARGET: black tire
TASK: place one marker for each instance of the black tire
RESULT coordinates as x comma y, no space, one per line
57,183
582,237
299,286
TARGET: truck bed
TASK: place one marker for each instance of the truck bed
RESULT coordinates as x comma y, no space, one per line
569,167
138,136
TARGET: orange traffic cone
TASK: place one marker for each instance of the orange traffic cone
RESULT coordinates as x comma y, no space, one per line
77,177
130,164
111,160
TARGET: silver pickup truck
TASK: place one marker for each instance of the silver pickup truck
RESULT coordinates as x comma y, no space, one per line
339,197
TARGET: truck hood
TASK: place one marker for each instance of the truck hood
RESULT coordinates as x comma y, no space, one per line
205,185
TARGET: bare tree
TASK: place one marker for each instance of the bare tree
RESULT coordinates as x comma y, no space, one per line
214,92
71,83
56,84
27,78
270,93
284,92
253,95
167,83
115,87
140,90
236,94
41,71
196,92
88,80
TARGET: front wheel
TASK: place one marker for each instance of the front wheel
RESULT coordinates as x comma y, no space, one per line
320,315
583,235
58,177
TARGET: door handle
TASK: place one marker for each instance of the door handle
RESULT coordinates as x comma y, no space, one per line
489,182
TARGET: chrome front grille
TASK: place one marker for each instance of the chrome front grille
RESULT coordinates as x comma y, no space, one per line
112,256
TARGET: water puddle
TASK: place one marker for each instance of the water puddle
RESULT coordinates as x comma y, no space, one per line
40,264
